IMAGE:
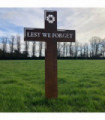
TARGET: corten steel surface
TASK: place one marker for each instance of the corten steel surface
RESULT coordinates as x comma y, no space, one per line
51,70
51,60
52,37
48,31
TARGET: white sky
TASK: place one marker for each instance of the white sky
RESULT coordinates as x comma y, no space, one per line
87,22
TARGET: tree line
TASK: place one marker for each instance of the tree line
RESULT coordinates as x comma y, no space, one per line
16,48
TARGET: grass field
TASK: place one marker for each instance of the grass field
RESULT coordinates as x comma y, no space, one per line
81,86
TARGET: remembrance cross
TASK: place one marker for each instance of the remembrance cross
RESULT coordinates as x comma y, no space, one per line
51,35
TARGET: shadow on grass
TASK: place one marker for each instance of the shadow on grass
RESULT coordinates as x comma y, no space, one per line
8,82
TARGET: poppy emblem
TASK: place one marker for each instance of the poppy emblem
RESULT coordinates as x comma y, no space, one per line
50,18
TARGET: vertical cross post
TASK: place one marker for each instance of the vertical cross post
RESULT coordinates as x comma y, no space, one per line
51,57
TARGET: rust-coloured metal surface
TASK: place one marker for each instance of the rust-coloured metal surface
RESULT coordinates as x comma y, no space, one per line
51,59
51,70
51,36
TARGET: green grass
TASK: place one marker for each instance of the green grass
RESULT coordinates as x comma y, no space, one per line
81,86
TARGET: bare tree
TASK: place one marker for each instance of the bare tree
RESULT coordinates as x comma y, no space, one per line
58,49
61,49
26,48
103,48
40,48
33,48
11,42
95,43
64,49
18,44
85,50
76,49
4,47
67,50
70,49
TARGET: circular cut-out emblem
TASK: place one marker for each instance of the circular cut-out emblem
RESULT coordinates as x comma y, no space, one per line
50,18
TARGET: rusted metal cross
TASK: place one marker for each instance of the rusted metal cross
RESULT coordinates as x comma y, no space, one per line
51,36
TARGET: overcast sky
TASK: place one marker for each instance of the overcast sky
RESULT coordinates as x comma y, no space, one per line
87,22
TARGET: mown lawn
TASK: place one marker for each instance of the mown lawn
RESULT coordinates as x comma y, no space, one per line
81,86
